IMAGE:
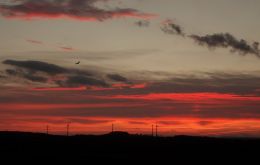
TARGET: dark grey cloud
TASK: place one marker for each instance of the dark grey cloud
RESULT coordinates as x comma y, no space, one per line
31,76
80,80
105,105
37,66
117,77
216,82
235,83
2,74
12,72
241,84
169,27
226,40
142,23
35,78
76,9
217,40
81,72
38,71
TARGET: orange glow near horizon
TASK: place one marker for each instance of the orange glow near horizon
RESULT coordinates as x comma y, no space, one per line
35,116
166,126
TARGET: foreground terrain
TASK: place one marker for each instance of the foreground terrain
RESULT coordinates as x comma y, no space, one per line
122,147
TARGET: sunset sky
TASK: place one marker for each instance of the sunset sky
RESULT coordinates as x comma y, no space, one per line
190,66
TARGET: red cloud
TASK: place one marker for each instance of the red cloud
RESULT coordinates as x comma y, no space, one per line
187,97
79,10
28,106
139,86
220,114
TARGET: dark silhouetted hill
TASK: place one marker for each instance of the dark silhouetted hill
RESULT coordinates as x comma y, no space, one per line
123,147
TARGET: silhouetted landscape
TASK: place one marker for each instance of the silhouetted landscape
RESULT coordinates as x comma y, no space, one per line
121,146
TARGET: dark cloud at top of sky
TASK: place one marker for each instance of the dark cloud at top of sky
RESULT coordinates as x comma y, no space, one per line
117,77
75,9
37,66
226,40
169,27
142,23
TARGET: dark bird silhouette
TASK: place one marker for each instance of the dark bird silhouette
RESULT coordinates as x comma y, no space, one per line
77,62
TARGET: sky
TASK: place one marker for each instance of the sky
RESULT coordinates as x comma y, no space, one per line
189,67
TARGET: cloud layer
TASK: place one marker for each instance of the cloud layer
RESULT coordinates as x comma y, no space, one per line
58,76
96,99
37,66
86,10
212,41
226,40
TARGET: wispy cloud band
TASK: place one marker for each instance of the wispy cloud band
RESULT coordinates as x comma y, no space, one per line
85,10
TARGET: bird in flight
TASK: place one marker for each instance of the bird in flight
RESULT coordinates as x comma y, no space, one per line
77,62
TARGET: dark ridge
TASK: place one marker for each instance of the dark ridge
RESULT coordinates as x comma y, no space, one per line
122,146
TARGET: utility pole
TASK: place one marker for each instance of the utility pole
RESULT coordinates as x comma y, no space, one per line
68,127
156,130
47,129
112,127
152,129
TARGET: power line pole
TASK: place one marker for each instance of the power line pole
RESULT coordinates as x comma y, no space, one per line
112,127
156,130
68,127
152,129
47,129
